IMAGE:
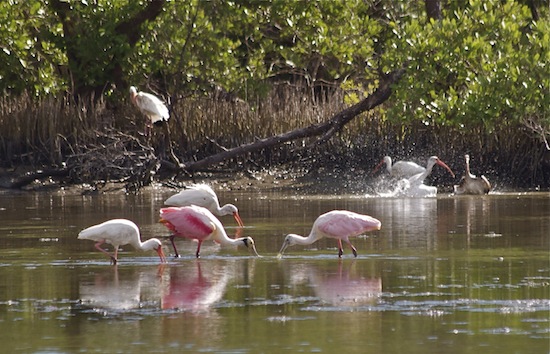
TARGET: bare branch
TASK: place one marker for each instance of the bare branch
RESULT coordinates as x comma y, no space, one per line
329,128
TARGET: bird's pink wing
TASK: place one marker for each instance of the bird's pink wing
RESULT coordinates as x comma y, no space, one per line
347,224
187,222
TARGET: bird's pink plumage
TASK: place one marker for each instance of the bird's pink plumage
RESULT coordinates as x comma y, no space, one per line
186,224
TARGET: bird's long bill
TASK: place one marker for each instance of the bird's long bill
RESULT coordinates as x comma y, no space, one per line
238,219
442,164
254,250
283,248
161,255
378,167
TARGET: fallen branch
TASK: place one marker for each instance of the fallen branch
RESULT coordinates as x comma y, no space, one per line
326,129
20,181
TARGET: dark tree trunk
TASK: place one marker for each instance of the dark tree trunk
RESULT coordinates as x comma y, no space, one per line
433,9
534,10
73,30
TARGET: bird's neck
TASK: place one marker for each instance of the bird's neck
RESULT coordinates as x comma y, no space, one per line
145,246
224,210
303,240
220,236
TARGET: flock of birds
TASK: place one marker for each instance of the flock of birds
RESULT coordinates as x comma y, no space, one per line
411,177
190,213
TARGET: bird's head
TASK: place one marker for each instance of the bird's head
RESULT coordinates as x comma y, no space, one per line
133,93
230,209
290,240
249,243
156,245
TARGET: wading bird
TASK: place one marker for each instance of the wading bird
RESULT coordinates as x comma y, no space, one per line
198,223
415,187
400,169
119,232
338,224
204,196
404,169
151,106
471,184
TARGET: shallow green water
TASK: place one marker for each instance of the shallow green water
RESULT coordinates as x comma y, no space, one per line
444,275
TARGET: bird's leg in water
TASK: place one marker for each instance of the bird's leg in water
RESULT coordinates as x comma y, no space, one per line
198,253
353,249
98,247
174,245
340,250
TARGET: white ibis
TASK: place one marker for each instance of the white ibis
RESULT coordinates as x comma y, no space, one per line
119,232
337,224
400,169
151,106
419,178
204,196
198,223
470,183
415,187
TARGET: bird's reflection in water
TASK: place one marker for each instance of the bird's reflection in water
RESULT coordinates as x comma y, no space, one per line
196,287
340,287
114,289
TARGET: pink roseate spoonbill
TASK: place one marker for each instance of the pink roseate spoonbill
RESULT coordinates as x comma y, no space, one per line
204,196
119,232
151,106
338,224
195,290
198,223
403,169
470,183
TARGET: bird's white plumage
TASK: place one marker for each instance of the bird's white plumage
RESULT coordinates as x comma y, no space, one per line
400,169
150,105
201,195
116,232
119,232
414,186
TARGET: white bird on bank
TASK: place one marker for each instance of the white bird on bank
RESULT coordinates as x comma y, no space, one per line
203,195
151,106
119,232
470,183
